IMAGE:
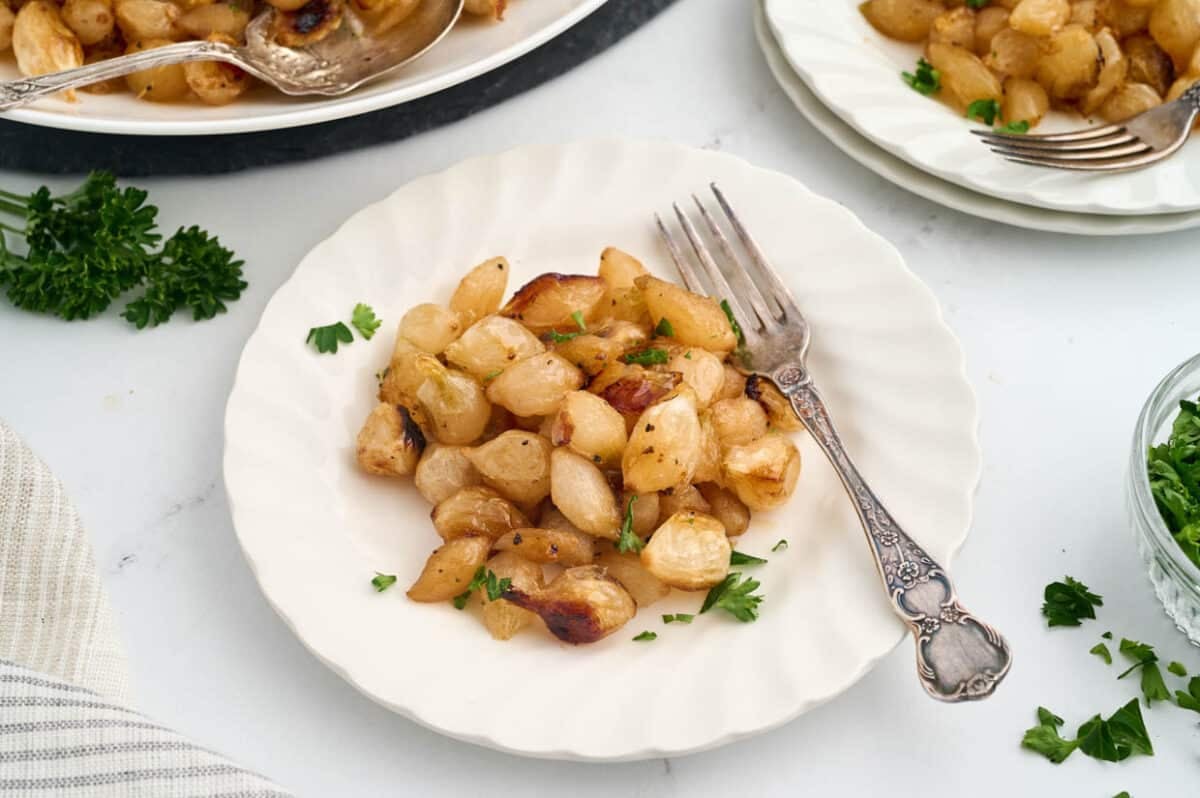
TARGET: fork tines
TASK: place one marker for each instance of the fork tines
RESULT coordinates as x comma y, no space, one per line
1108,148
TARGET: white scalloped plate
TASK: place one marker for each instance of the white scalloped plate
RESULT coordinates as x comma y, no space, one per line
935,189
855,71
471,49
315,529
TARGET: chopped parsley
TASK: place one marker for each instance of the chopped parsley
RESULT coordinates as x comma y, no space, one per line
646,357
646,636
491,375
382,582
1178,669
559,338
925,80
679,617
486,580
1144,657
1016,128
1174,469
1068,603
733,323
986,111
326,338
1190,699
664,329
1109,739
364,320
1101,651
629,541
977,4
737,558
780,546
735,596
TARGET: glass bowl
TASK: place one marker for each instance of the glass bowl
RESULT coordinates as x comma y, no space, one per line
1176,579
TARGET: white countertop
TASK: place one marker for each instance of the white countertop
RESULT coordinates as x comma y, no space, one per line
1064,339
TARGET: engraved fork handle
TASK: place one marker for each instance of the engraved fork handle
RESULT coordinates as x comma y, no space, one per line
15,93
959,657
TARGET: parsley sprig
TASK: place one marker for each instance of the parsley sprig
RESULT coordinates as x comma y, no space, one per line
82,250
735,596
364,320
1067,603
485,578
629,540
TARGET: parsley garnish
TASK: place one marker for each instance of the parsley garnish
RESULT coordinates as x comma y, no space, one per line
1067,603
733,322
1112,739
977,4
985,111
1017,128
86,248
383,581
646,636
1107,635
926,80
780,546
559,338
735,596
326,338
491,375
486,579
647,357
1122,793
737,558
1178,669
1101,651
679,617
1174,469
629,541
364,320
664,328
1153,686
1190,699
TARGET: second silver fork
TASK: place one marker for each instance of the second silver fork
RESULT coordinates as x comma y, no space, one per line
959,657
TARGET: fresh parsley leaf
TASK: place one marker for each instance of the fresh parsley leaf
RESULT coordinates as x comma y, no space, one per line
1017,128
1144,657
925,80
1174,471
985,111
1179,669
495,587
734,596
646,636
1107,635
780,546
977,4
664,329
1111,740
1190,699
733,322
1067,603
383,581
560,338
679,617
364,320
1101,651
1046,740
326,338
646,357
629,541
737,558
485,579
1122,793
192,271
1140,653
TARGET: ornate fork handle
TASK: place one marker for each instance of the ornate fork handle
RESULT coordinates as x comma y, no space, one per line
959,657
16,93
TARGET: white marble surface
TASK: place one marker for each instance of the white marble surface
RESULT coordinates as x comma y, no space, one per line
1064,338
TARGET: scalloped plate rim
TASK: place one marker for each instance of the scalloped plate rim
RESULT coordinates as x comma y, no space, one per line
568,151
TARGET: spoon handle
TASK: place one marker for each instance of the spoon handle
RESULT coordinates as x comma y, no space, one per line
16,93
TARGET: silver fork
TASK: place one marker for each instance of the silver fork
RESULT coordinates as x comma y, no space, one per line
959,657
1135,143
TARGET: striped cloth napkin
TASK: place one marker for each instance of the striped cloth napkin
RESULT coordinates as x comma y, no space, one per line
66,728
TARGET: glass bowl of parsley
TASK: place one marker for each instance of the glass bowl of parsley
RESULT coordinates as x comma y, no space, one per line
1164,494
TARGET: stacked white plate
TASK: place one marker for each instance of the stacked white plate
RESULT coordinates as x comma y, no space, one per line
843,76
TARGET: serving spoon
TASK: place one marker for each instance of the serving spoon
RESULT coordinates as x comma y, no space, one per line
339,63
